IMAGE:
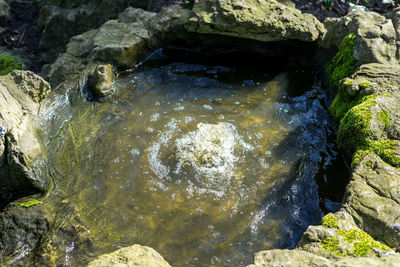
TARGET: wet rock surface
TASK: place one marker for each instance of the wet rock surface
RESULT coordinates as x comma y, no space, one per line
21,231
101,81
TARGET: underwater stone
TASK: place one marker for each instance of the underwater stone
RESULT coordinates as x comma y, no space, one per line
101,81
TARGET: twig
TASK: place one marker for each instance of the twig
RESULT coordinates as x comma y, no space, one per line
20,38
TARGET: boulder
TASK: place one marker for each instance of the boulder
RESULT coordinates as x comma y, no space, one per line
383,78
376,40
122,43
372,199
135,255
22,93
261,20
75,17
296,257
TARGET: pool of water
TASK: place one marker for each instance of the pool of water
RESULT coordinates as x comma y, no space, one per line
207,164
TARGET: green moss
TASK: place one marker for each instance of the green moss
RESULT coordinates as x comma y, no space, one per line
347,83
30,203
383,116
8,64
359,155
364,85
362,242
354,127
329,221
331,244
385,149
342,65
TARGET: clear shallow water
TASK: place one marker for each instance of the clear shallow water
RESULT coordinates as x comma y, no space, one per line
206,164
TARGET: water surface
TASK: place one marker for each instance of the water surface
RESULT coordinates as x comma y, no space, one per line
207,164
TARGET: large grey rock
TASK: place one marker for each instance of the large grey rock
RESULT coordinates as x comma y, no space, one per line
60,20
254,19
372,199
376,40
384,78
123,42
22,93
134,255
296,257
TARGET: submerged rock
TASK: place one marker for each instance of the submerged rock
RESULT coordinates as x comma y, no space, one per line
101,82
135,255
255,19
21,231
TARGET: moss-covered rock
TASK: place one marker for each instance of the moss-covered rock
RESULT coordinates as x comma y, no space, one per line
342,65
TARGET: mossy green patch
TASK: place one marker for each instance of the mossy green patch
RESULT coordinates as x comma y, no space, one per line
386,149
383,116
362,242
329,221
30,203
342,65
364,85
331,244
343,102
9,63
354,126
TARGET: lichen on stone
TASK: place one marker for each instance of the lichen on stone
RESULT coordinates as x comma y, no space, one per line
342,65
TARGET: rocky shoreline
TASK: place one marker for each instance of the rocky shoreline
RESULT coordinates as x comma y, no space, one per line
365,73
